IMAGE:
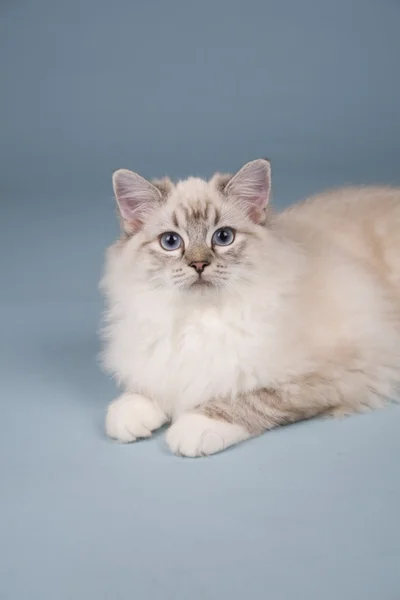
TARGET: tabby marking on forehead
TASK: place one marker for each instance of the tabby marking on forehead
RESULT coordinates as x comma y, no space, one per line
195,213
217,217
175,220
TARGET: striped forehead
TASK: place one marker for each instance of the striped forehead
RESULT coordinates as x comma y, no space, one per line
195,215
194,205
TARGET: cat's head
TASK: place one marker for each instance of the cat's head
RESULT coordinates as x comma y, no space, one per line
194,235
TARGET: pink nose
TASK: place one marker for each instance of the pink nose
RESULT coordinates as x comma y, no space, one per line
199,266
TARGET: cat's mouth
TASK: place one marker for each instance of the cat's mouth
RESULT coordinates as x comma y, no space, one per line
200,282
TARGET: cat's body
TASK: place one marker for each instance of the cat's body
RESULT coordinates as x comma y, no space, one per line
303,320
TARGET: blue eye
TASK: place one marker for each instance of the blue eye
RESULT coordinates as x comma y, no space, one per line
170,241
223,236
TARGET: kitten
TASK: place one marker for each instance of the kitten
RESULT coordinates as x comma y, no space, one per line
228,320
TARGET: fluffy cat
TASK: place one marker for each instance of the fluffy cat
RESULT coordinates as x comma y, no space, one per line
228,320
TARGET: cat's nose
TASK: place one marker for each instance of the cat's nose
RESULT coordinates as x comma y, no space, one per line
199,266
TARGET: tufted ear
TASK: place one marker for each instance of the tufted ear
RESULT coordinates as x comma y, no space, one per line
251,187
136,198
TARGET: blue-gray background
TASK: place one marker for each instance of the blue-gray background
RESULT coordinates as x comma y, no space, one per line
181,88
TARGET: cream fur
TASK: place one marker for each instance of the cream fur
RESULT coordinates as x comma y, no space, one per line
194,434
316,291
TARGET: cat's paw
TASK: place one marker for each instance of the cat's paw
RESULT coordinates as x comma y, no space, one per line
194,434
132,416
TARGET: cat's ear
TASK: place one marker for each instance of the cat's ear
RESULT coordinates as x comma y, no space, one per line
251,187
136,198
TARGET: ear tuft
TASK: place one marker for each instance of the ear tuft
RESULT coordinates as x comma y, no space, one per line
136,198
251,187
164,185
221,180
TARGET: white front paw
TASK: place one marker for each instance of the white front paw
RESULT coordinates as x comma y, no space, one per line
132,416
195,434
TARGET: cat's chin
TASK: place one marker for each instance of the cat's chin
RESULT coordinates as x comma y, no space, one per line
201,283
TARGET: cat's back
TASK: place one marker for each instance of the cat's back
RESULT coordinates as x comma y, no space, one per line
363,222
349,205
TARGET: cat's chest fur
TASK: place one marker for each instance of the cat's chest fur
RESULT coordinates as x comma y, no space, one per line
184,355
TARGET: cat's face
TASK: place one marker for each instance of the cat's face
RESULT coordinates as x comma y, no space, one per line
194,235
